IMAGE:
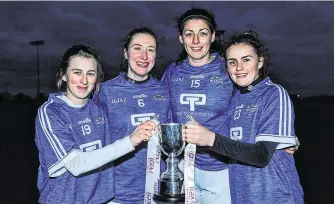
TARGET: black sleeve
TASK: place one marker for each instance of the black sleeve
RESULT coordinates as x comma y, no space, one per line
258,154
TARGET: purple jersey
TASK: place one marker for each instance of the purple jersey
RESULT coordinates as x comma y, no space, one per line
61,132
128,105
264,114
205,93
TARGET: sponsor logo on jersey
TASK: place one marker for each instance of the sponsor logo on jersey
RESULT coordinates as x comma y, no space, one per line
178,79
139,96
100,120
137,119
236,133
251,108
118,100
216,80
90,146
87,120
192,100
158,97
198,76
195,114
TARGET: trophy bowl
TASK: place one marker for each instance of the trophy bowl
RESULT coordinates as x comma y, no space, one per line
171,182
170,139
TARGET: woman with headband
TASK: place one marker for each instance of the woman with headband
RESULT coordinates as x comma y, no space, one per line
199,86
259,128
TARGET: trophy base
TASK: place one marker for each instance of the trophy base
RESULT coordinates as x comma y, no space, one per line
164,199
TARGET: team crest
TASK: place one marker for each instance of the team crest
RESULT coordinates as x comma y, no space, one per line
158,97
251,108
100,121
216,80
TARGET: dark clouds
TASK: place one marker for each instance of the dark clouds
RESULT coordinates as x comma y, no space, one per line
299,36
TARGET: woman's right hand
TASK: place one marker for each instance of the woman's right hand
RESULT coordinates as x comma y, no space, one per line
143,132
198,135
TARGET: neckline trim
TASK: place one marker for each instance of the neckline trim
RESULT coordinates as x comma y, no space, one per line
250,87
134,81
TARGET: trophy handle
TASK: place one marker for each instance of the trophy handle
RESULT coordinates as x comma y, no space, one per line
184,143
162,149
159,138
181,150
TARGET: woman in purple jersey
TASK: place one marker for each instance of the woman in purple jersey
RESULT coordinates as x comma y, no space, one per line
199,85
72,134
130,98
260,127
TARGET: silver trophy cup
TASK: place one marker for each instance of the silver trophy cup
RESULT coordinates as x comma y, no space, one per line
171,182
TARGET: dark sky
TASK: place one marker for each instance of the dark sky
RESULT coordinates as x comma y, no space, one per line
299,36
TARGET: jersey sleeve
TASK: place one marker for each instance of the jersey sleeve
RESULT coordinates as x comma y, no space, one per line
277,119
54,140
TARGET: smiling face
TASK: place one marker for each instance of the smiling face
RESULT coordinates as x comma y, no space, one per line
81,77
140,54
243,64
197,38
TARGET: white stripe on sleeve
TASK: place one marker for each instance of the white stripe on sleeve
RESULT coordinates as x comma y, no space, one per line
285,115
282,140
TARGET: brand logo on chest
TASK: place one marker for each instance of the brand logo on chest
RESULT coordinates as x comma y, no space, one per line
139,96
198,76
87,120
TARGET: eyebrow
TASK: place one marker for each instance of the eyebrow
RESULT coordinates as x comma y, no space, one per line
142,45
76,69
243,57
199,29
246,56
